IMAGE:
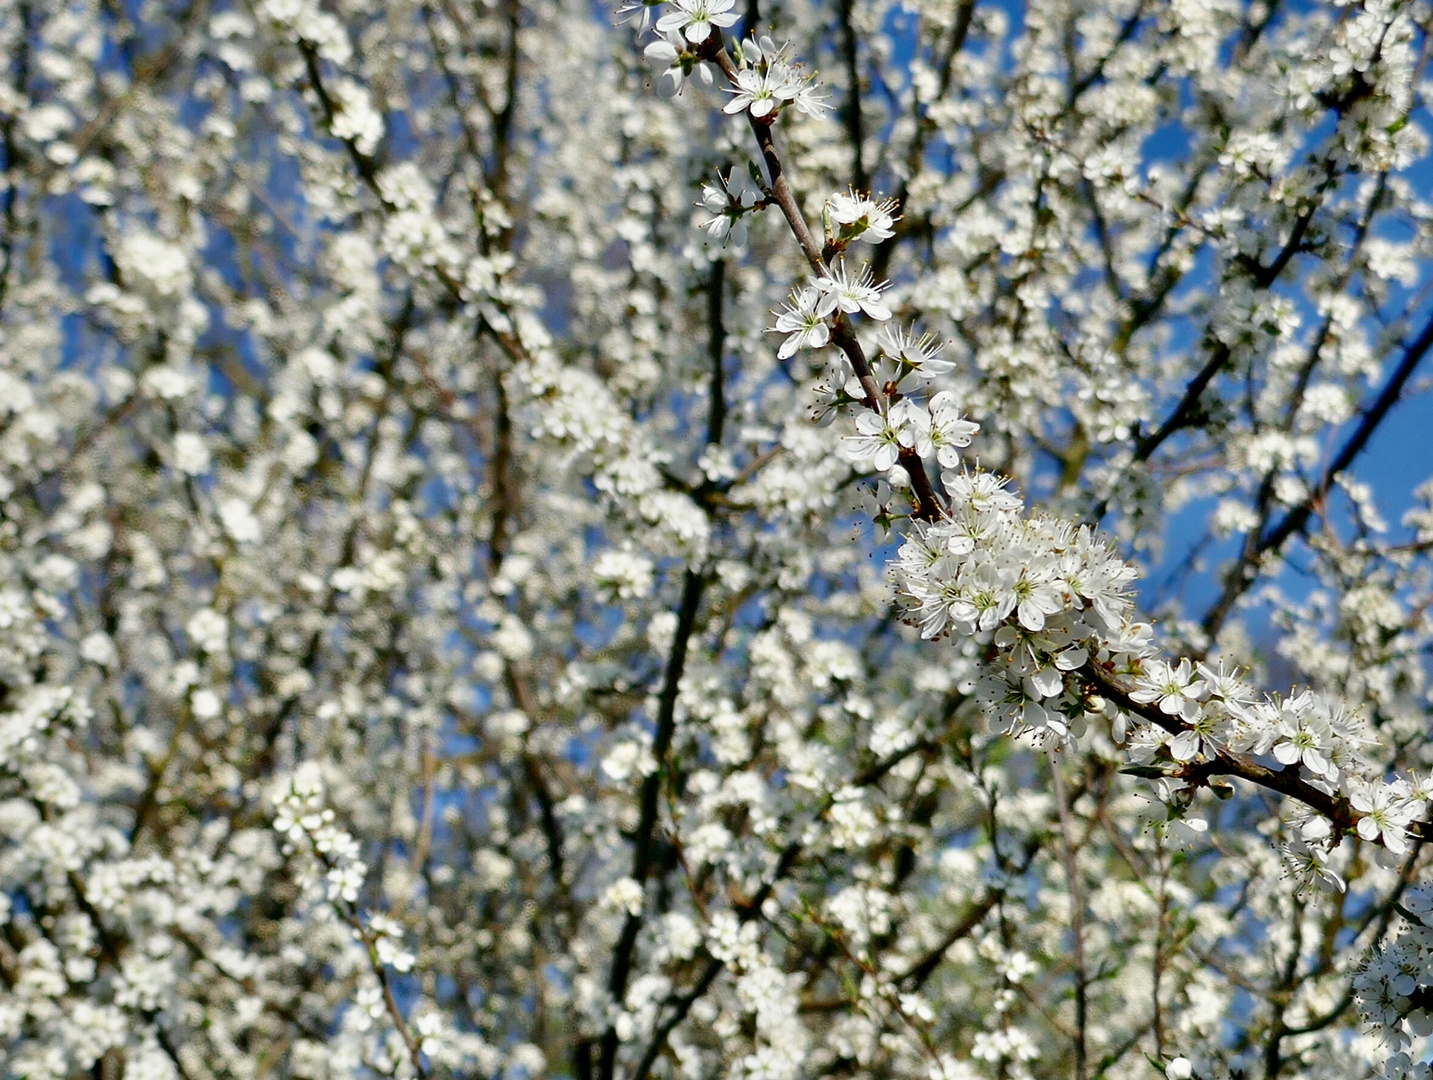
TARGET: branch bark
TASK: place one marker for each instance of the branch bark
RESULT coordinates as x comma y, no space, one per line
1286,781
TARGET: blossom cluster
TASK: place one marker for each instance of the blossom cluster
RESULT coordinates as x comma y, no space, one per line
906,362
308,827
435,641
767,80
1394,987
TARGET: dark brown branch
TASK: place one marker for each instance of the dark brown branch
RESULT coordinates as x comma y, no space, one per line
8,218
1297,519
926,505
503,120
1286,781
680,1007
851,112
716,345
644,838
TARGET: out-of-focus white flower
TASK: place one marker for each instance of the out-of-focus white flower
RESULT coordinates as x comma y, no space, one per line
669,53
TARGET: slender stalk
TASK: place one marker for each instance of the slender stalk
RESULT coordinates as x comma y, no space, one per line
926,504
1077,915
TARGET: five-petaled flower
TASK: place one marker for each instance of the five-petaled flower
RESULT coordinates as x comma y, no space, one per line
1384,813
949,432
876,444
860,215
1173,688
1304,735
850,295
762,92
804,324
669,53
695,18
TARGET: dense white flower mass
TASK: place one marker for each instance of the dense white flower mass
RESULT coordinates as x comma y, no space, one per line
436,641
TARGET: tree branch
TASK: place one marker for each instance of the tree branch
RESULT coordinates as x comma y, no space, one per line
1286,781
1299,516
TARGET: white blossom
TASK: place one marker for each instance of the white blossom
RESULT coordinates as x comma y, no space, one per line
859,215
695,18
851,295
669,55
803,324
435,640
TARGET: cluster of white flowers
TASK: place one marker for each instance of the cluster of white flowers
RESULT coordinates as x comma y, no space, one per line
309,23
434,641
1394,987
767,79
894,423
1046,594
308,828
764,78
934,428
624,574
1053,605
355,118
